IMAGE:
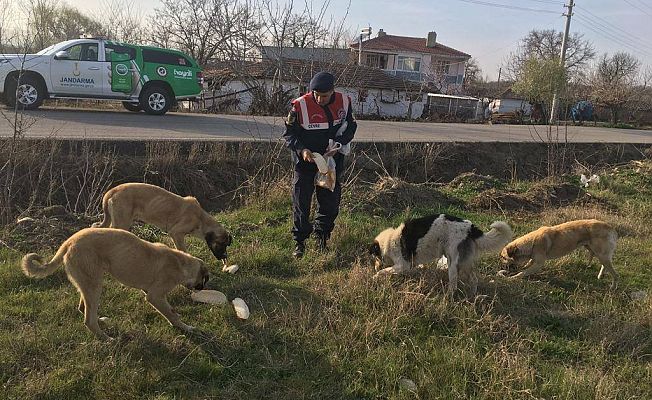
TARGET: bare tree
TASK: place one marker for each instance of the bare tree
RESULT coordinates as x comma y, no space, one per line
615,82
546,45
122,20
472,73
49,22
70,23
282,25
19,122
41,15
205,29
6,15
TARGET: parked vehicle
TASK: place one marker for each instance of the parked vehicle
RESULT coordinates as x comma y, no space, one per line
143,78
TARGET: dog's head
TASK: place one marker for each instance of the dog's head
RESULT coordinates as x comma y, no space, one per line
511,256
199,276
218,239
379,249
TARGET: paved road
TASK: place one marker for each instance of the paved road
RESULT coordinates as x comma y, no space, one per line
116,125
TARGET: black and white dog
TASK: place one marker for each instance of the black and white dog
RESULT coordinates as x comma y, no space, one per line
423,240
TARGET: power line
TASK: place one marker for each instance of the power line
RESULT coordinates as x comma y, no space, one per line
590,25
509,7
557,3
596,29
608,35
638,8
645,4
615,29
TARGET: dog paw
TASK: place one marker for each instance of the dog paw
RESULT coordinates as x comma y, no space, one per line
380,274
104,337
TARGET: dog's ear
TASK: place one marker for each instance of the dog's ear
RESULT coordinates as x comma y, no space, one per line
374,250
210,237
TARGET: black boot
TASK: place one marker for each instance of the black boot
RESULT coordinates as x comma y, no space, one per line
299,249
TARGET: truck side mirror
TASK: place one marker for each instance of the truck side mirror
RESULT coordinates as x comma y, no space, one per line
62,55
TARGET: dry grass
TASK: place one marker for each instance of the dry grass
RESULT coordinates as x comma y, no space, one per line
322,328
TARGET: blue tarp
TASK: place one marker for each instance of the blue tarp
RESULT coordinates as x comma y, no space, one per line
582,111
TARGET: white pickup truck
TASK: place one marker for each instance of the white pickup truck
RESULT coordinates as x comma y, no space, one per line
141,77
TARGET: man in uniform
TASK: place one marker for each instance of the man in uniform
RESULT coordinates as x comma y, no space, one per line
321,115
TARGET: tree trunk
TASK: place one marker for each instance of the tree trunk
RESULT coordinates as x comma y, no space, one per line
614,115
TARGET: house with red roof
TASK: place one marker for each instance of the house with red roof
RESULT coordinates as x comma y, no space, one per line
417,59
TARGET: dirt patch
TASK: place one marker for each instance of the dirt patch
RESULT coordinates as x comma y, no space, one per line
391,196
541,195
44,230
474,181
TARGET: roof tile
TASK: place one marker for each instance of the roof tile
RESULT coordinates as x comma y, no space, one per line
406,43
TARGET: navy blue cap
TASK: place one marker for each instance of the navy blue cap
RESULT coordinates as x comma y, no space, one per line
322,82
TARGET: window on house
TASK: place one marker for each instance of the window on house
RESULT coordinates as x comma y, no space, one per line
442,67
404,63
388,95
377,61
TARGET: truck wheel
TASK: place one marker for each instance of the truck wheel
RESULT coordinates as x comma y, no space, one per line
155,100
133,107
30,93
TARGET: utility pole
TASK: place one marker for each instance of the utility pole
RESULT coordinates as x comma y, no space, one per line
363,31
562,61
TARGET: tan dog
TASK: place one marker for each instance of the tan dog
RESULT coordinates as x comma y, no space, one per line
550,242
152,267
176,215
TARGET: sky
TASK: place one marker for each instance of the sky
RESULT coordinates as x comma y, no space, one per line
488,30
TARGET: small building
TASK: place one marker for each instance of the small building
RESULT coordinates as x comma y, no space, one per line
267,87
508,102
446,107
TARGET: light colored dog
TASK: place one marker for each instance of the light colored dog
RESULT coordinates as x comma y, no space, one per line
176,215
152,267
426,239
550,242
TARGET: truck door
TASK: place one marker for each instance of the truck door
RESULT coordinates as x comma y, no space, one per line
76,71
123,72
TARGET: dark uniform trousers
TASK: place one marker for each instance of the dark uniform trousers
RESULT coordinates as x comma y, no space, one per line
328,203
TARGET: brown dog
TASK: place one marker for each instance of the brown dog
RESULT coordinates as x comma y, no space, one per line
550,242
152,267
178,216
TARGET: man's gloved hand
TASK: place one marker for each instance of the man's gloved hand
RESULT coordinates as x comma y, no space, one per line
333,149
307,156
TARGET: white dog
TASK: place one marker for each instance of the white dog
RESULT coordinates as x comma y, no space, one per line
426,239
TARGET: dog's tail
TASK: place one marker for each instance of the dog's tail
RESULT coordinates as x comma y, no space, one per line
499,235
32,263
106,208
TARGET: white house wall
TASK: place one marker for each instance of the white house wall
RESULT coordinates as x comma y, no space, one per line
373,105
509,105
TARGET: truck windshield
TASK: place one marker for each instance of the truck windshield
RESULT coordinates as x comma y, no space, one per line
47,50
56,47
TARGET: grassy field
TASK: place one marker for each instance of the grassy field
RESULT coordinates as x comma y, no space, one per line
322,328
